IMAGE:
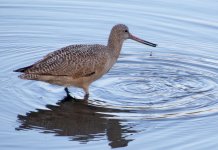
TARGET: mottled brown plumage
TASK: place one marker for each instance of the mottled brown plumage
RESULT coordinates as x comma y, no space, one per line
80,65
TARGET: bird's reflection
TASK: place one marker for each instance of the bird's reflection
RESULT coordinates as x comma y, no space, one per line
79,120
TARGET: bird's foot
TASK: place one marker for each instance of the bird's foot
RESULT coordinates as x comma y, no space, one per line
67,91
69,98
86,97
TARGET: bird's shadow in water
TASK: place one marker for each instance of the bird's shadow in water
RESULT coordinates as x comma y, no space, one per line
79,120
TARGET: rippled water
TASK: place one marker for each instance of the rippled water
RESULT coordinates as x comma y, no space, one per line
169,98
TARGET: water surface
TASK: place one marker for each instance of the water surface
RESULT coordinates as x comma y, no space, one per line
169,98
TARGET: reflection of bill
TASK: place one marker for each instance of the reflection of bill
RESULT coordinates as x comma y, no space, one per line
80,121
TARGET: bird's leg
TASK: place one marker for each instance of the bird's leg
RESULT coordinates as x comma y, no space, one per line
86,90
67,91
86,96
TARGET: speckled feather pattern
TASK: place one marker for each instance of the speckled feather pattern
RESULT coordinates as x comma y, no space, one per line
74,60
78,65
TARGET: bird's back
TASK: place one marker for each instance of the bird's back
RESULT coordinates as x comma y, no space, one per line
74,60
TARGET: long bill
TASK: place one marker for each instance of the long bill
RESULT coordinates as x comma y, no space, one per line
141,40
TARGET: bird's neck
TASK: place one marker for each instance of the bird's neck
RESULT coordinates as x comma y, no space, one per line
115,44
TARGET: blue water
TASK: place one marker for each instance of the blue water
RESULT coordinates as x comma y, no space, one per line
165,101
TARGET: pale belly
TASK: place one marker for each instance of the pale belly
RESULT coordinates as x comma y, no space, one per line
67,81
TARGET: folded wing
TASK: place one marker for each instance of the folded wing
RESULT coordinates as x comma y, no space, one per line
74,60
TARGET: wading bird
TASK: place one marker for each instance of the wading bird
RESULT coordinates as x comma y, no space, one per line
80,65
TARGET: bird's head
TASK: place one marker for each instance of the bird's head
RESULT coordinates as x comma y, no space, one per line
121,33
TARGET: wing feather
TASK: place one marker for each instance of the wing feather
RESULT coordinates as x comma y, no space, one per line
74,60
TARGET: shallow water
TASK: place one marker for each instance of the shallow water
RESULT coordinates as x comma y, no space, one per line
169,98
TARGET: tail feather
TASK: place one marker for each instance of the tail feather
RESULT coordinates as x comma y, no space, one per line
23,69
29,76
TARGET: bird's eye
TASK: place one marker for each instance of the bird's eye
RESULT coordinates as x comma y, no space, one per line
125,30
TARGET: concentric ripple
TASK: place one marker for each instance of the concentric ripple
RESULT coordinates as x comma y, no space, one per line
178,82
160,87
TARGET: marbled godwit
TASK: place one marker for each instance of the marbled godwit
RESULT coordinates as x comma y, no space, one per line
80,65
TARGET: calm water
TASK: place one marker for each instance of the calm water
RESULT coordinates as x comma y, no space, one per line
165,101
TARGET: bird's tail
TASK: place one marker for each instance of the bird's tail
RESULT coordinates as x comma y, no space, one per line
23,69
29,76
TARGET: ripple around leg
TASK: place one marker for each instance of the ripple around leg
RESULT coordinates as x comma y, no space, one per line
161,89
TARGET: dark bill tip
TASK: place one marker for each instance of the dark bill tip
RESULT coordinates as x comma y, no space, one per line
149,43
142,41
